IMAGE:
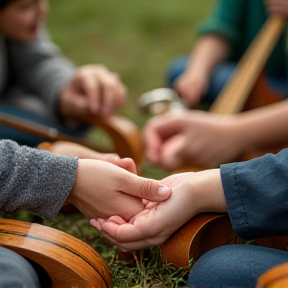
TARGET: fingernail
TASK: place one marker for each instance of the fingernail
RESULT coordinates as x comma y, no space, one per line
163,190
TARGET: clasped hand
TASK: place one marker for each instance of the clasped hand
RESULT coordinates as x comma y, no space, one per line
106,185
192,193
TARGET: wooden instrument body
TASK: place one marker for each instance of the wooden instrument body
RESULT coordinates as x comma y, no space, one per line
197,237
276,277
68,261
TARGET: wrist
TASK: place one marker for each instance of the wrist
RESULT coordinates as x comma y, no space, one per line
210,191
244,133
197,72
75,192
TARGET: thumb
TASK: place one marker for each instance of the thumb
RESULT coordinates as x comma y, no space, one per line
149,189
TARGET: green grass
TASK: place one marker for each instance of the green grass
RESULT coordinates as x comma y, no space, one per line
143,269
136,39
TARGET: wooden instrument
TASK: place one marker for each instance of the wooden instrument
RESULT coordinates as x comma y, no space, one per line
235,94
234,98
69,262
126,137
276,277
201,234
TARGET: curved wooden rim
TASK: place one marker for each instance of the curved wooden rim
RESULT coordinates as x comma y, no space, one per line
67,260
127,138
202,233
274,277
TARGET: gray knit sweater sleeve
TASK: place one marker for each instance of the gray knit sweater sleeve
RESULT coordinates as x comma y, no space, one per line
40,68
34,180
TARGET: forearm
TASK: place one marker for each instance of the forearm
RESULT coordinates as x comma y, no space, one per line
256,192
34,180
209,51
263,126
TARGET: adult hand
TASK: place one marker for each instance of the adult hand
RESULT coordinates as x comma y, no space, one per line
82,152
102,189
93,90
279,7
191,87
193,193
194,138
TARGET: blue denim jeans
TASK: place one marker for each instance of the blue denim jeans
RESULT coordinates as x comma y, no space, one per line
234,266
220,77
16,271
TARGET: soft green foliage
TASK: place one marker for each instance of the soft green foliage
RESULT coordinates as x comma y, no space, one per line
136,39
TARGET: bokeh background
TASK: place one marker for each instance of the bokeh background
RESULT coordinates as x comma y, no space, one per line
136,39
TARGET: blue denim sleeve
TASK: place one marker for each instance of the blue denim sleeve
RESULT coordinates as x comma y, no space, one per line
256,192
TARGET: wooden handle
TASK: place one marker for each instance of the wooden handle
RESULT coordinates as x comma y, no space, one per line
234,95
126,137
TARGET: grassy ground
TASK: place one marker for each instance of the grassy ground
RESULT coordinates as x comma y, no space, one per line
137,39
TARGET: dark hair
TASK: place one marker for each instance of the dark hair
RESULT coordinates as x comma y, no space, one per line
3,3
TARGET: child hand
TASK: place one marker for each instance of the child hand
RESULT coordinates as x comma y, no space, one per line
102,189
193,193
